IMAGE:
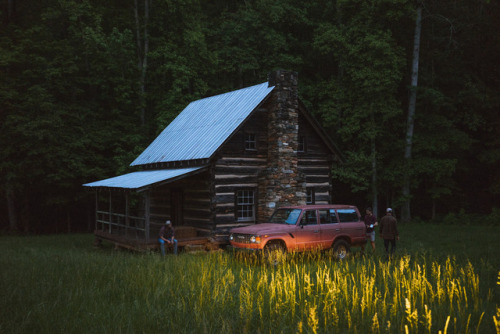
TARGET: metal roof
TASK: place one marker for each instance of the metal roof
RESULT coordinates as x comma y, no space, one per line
139,180
203,126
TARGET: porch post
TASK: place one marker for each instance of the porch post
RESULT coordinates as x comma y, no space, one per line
110,211
96,209
147,212
127,213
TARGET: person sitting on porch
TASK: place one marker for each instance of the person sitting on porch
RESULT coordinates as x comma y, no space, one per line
167,235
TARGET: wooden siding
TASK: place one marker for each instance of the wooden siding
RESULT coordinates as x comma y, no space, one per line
232,174
235,147
237,168
315,162
196,202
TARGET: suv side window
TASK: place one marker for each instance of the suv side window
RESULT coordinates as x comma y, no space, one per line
309,218
347,215
327,217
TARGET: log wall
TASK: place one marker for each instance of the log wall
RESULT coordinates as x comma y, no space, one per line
196,202
315,163
236,168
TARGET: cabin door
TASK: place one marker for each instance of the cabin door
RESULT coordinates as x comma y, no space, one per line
177,206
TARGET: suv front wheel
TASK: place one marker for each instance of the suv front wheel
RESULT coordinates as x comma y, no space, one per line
274,253
341,249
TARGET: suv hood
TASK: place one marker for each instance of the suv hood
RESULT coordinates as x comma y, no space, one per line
260,229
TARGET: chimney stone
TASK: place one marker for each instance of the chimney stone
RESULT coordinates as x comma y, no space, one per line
283,184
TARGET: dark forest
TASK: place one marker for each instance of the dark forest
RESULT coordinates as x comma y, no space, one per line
408,90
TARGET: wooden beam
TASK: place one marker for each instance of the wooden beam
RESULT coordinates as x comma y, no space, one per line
147,213
110,210
127,213
96,208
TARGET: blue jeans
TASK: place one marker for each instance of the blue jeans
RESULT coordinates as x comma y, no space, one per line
162,245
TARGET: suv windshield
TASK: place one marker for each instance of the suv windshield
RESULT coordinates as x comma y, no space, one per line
285,216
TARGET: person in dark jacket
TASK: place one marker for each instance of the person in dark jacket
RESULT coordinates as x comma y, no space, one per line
167,235
370,223
389,231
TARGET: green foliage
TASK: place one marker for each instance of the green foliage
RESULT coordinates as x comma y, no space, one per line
71,101
361,93
460,218
464,218
494,217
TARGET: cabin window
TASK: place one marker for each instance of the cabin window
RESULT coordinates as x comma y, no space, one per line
245,205
301,144
310,196
250,142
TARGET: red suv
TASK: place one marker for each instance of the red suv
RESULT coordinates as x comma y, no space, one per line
303,228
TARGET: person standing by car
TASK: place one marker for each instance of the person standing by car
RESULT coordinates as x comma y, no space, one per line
389,232
370,223
167,235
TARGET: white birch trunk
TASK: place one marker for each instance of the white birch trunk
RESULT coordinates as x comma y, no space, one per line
142,51
405,212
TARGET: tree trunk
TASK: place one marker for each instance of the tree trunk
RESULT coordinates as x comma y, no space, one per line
10,10
374,172
11,207
433,209
374,180
405,210
142,52
68,220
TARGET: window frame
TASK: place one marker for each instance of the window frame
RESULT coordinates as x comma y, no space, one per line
343,213
312,195
250,141
301,144
306,219
241,215
331,214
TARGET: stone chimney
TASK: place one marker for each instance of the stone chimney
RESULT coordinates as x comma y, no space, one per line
283,184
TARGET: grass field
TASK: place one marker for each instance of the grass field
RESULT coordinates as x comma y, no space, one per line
445,278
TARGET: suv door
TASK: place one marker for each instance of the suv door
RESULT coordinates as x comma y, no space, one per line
307,233
351,224
329,226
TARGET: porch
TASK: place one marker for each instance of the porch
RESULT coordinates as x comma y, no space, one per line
131,209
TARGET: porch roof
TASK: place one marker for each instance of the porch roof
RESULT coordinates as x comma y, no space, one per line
142,180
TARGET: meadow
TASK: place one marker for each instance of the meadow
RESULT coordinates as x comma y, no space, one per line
444,278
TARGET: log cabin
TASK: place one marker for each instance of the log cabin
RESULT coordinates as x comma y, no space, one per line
225,161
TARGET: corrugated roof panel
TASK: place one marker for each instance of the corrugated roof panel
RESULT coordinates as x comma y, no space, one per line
203,126
137,180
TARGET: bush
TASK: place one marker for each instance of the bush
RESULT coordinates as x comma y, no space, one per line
494,217
460,218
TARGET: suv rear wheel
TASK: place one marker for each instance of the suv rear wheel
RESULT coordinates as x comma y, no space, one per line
341,249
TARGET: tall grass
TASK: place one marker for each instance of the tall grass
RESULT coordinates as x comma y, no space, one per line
61,284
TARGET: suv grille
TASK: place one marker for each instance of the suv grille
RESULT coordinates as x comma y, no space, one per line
241,238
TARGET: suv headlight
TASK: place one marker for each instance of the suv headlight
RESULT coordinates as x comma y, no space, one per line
255,239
